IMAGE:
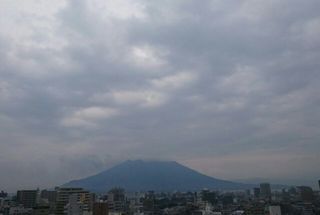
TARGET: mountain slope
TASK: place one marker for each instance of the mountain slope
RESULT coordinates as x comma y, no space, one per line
152,175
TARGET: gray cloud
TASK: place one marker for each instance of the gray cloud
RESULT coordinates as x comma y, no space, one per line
228,87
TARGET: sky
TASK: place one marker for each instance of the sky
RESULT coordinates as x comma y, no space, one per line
227,87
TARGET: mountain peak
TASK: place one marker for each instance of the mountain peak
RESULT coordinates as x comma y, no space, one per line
140,161
144,175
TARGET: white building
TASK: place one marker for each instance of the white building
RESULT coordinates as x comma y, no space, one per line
274,210
77,206
19,210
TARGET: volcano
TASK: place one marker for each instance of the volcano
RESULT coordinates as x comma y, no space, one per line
159,176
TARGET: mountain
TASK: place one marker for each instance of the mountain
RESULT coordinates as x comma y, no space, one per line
141,175
275,184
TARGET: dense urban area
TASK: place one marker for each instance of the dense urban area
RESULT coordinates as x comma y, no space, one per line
261,200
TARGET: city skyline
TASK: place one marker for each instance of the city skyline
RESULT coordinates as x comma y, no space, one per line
122,174
229,88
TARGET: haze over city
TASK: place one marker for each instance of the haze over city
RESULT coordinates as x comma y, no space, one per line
229,88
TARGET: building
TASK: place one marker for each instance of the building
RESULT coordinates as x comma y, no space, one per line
63,197
50,195
19,210
116,200
274,210
100,208
208,196
41,210
28,198
265,191
305,193
149,204
3,194
255,209
77,205
256,192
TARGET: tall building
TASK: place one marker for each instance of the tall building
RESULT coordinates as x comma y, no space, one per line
274,210
305,193
116,200
28,198
135,202
256,192
100,208
50,195
77,205
63,195
265,191
149,204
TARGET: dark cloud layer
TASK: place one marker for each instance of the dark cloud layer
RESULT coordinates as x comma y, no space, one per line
227,87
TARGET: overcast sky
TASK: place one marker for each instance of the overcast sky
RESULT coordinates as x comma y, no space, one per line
228,87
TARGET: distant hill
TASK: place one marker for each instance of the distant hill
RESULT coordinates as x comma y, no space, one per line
141,175
275,185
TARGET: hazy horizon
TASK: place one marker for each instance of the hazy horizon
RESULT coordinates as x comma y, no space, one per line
229,88
256,180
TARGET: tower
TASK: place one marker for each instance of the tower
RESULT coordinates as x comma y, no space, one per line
265,190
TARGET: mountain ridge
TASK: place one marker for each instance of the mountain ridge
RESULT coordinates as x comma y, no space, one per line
140,175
